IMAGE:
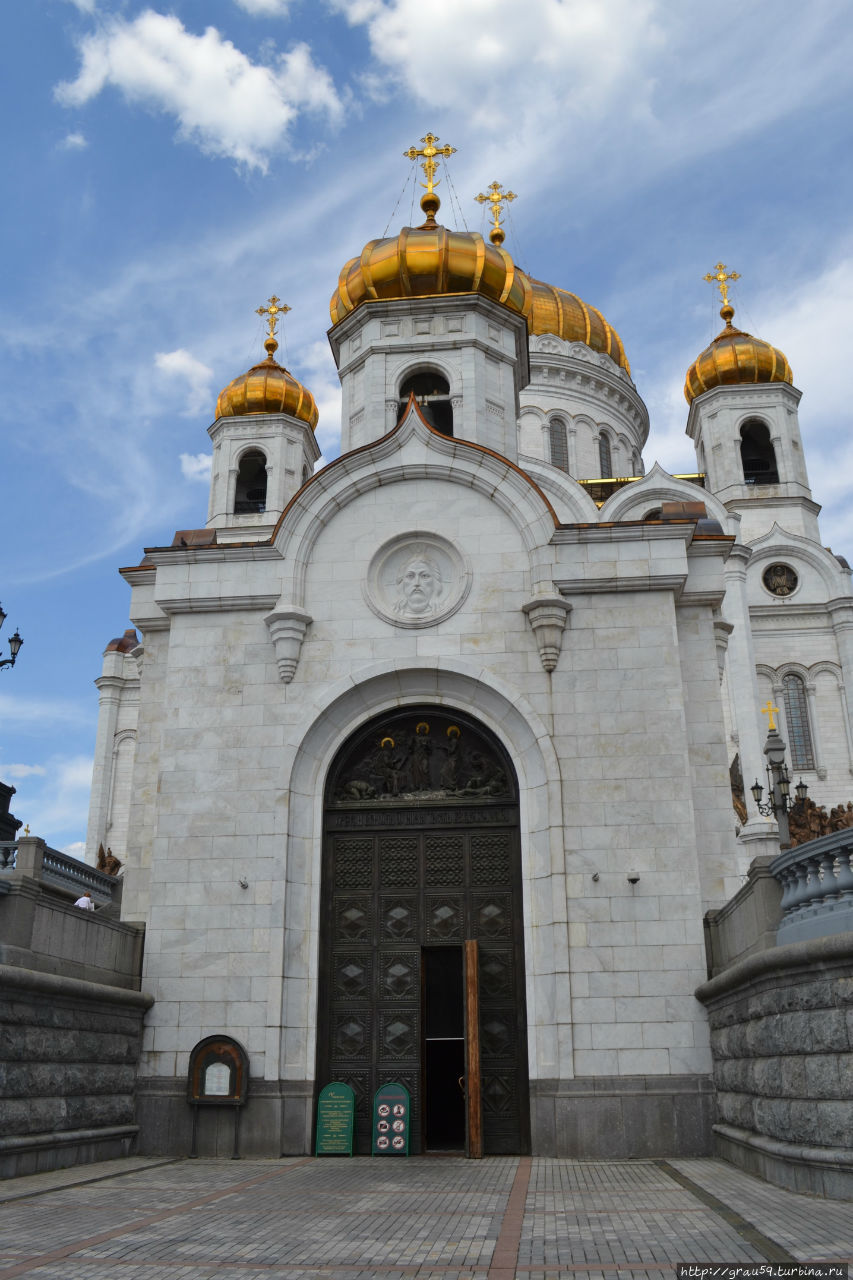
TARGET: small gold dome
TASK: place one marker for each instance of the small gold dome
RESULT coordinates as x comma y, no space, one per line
427,261
735,357
556,311
267,388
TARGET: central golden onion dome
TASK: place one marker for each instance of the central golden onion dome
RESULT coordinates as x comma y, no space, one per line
268,387
431,261
733,358
427,261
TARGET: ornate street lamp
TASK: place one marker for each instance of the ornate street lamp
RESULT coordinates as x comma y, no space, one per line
15,643
779,803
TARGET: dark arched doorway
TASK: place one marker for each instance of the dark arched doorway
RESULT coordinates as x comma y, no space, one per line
421,860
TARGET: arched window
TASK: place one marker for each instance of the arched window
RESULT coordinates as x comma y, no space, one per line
797,719
432,393
605,459
559,443
250,493
654,514
757,454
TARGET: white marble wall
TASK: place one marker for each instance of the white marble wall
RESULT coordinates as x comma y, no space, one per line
617,773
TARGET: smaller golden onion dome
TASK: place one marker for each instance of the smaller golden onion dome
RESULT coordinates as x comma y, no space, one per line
268,388
556,311
735,357
428,261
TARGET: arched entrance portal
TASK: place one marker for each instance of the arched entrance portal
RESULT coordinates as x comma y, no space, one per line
421,882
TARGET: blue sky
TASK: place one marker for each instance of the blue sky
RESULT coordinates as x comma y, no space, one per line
168,168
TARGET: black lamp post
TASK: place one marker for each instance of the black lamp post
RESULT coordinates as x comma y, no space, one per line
15,643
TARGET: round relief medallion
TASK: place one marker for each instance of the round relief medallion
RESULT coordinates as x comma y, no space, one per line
780,579
416,580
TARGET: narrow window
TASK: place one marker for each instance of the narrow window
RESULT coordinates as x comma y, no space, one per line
605,460
757,453
250,493
432,393
559,444
797,717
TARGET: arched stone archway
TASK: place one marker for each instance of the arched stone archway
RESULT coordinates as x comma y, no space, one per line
421,853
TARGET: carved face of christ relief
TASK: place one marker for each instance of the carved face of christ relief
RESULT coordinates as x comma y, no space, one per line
419,585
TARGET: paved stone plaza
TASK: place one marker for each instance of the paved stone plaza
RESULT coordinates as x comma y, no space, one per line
433,1218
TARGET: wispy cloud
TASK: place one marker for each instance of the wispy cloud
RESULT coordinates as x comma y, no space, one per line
74,142
22,770
223,102
266,8
195,377
196,466
20,712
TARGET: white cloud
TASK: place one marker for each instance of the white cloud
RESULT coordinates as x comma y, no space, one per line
76,849
74,142
21,770
195,375
266,8
85,6
196,466
22,712
553,55
63,801
223,102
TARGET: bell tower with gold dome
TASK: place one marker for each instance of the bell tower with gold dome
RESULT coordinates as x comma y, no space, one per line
437,313
263,442
744,423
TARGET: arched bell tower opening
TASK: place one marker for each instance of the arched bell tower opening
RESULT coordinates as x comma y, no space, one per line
757,453
432,392
250,490
421,930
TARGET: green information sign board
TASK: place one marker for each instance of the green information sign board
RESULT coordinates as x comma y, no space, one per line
335,1113
391,1114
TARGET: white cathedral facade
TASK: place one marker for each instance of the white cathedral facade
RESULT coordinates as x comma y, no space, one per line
465,684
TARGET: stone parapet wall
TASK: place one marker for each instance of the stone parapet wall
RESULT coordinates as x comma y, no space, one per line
781,1036
68,1056
40,930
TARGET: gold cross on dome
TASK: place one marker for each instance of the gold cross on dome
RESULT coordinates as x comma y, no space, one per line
769,711
497,198
27,829
722,276
274,308
430,164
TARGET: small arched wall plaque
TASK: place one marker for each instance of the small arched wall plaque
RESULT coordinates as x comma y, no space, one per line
218,1076
417,579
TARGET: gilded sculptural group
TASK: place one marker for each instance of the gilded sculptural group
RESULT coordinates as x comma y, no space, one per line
807,820
108,862
416,765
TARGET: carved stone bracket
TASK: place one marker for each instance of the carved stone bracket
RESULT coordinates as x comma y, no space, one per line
548,616
287,628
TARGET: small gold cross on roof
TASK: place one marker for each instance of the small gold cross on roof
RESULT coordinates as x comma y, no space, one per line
27,829
496,197
722,276
769,711
274,308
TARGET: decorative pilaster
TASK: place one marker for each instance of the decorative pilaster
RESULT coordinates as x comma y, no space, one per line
287,628
547,616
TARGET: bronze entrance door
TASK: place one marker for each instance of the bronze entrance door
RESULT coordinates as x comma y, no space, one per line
421,854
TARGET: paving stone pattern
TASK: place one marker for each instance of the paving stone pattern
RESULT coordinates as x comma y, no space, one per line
434,1219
